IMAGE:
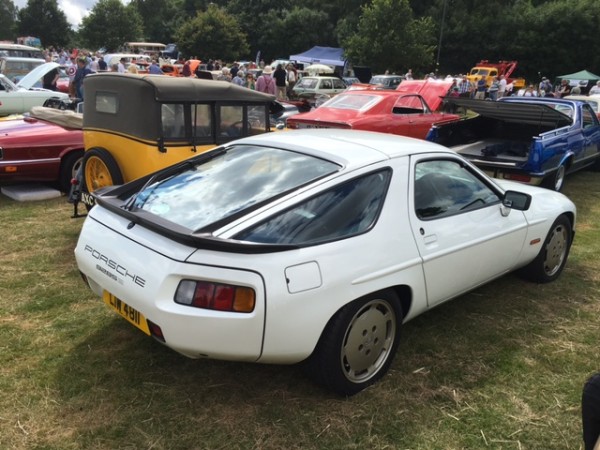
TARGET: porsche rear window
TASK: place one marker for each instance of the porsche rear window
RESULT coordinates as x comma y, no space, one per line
228,183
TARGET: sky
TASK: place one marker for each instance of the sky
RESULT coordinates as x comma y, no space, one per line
75,10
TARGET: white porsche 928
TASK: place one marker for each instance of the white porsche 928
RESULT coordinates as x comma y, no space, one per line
312,245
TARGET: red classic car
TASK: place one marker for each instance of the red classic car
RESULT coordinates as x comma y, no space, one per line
410,110
46,146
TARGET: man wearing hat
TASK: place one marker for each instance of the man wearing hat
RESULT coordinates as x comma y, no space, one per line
265,82
545,86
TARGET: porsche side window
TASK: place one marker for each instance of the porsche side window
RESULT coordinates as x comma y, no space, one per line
348,209
445,187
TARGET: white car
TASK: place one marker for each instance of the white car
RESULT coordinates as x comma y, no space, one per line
319,85
21,97
312,244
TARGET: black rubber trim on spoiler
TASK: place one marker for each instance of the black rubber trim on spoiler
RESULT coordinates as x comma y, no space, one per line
183,235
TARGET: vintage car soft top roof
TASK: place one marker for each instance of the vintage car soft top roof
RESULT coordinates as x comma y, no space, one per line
177,89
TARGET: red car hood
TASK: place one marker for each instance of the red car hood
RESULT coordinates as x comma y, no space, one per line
431,90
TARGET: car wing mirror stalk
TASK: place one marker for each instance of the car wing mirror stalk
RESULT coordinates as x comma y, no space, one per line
516,200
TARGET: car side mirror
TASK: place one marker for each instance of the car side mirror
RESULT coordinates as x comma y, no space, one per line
517,200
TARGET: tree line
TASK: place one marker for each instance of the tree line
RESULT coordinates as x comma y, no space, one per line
547,37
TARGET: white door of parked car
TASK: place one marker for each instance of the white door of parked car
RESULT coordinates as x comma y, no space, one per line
460,225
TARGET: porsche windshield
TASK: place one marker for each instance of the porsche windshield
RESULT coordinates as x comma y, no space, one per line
219,185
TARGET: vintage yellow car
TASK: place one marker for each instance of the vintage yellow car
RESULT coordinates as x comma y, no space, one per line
134,125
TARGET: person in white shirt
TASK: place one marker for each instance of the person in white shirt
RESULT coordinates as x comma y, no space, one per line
501,86
121,66
595,90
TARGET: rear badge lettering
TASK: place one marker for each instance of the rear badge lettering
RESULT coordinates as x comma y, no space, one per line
109,266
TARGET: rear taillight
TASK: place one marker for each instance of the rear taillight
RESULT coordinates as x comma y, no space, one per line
217,296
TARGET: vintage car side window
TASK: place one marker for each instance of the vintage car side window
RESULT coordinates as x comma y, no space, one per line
202,120
231,121
173,120
446,187
347,209
257,119
107,102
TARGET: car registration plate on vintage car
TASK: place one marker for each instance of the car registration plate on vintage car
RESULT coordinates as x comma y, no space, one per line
130,314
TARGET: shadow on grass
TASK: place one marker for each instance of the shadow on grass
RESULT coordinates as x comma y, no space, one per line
122,377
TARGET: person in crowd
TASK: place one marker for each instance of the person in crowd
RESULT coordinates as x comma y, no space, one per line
480,88
239,78
224,76
563,90
595,90
71,69
132,68
186,71
250,84
576,90
81,72
530,91
465,88
121,65
102,66
545,86
493,89
50,79
210,65
94,65
234,70
154,69
501,86
590,412
292,77
408,75
265,83
280,76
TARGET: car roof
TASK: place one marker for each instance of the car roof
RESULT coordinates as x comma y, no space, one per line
349,148
172,89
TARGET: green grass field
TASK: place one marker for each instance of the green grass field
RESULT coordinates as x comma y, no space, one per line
499,368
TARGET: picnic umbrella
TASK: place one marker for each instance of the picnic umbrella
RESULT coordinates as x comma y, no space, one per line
319,68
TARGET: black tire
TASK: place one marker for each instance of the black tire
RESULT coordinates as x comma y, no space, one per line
358,344
68,169
99,170
556,180
551,260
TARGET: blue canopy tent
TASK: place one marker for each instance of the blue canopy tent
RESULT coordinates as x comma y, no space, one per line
330,56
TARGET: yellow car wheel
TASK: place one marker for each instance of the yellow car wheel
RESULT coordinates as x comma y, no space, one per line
100,170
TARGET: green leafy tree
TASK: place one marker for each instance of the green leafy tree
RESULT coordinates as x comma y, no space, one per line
8,17
213,34
43,19
110,24
294,31
160,18
388,37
